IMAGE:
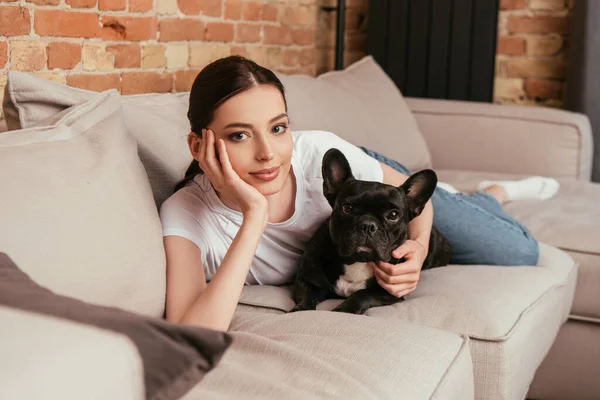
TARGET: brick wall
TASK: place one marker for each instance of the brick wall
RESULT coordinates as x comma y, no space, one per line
355,33
533,44
141,46
531,54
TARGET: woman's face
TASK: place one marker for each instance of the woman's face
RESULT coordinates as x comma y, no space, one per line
255,128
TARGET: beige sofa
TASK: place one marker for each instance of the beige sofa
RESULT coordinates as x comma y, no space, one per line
482,332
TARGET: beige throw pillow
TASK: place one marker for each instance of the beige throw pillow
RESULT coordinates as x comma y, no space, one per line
158,121
77,212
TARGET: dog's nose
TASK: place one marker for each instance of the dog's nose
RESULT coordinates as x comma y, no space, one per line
368,227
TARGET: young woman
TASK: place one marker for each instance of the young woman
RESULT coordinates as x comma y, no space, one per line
252,197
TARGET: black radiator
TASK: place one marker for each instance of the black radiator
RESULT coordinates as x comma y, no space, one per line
441,49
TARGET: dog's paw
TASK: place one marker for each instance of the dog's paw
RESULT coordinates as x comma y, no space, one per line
300,307
349,308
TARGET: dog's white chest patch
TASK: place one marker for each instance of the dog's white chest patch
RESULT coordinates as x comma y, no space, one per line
354,278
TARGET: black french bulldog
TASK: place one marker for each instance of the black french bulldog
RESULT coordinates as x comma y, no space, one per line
368,221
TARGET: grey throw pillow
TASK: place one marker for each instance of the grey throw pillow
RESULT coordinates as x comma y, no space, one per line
175,357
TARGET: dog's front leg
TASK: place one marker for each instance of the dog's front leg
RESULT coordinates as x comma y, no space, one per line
361,300
307,295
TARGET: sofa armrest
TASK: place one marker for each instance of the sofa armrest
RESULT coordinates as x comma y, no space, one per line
505,138
49,358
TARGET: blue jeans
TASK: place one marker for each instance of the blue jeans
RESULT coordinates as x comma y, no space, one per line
478,229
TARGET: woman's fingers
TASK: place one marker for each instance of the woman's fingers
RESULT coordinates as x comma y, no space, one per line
202,151
224,158
212,164
397,290
396,279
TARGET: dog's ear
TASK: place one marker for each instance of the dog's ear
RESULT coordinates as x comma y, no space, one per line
336,171
419,188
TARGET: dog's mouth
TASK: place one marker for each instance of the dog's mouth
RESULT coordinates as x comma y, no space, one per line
361,248
364,254
364,249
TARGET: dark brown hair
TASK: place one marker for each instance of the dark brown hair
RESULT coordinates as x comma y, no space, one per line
216,83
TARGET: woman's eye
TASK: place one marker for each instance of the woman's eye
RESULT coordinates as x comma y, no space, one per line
237,137
282,128
346,208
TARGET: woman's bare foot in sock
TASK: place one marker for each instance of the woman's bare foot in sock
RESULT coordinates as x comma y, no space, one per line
534,187
498,192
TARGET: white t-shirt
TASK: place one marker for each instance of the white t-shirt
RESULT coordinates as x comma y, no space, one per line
196,212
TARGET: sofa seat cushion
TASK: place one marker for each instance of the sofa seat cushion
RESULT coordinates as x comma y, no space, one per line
483,302
511,314
569,221
319,354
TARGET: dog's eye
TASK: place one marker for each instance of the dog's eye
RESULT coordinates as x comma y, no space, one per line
393,215
346,208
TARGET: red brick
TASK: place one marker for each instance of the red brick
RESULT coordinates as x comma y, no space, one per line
3,54
252,11
555,5
277,35
126,55
97,83
538,24
63,55
353,19
66,23
239,51
140,5
356,41
519,67
82,3
129,28
211,8
543,89
291,57
364,4
8,1
27,55
511,46
14,21
307,56
112,5
146,82
512,4
219,31
185,79
298,71
43,2
270,12
304,35
175,29
247,33
233,9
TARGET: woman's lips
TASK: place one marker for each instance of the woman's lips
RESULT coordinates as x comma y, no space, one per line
266,174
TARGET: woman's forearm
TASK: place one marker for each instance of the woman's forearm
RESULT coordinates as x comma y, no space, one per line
216,304
419,228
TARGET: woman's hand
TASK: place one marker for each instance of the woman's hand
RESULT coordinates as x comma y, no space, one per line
401,279
226,181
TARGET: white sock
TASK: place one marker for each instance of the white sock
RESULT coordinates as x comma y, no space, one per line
447,187
535,187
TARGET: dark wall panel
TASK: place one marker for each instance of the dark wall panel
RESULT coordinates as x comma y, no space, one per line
436,48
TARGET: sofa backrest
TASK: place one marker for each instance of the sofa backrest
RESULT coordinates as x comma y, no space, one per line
360,104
